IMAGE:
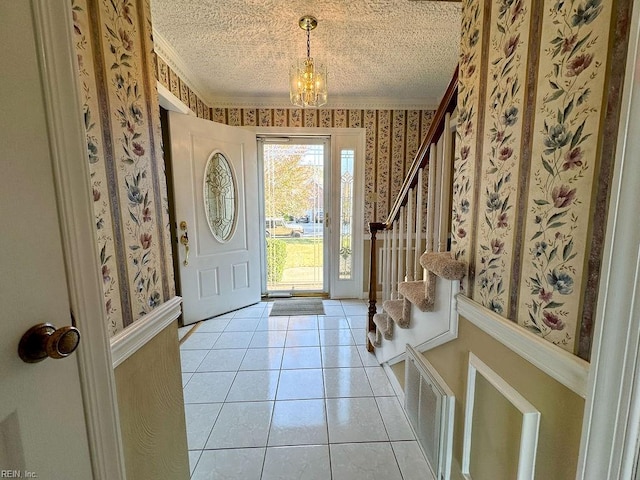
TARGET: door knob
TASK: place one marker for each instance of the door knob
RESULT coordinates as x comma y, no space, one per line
184,240
44,340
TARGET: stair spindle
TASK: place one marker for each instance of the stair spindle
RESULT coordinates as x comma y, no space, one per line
401,248
411,222
420,213
413,211
431,192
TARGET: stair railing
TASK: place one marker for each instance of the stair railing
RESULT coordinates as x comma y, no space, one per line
420,218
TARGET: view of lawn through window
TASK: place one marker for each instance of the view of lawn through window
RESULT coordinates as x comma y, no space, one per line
294,216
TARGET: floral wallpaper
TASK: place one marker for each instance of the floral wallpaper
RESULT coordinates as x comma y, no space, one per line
392,140
466,134
114,302
169,79
568,105
497,207
392,136
529,173
114,47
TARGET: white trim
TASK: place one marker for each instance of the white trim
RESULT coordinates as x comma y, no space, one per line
139,333
431,200
446,160
395,383
167,53
70,166
447,421
611,423
453,121
427,330
362,103
306,131
530,419
452,331
418,269
169,101
398,358
338,137
356,141
568,369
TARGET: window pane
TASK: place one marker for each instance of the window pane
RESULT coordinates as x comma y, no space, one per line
294,215
220,197
346,213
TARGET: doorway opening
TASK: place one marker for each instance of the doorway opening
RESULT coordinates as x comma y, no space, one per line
296,196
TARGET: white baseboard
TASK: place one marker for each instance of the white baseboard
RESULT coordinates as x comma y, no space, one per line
395,384
135,336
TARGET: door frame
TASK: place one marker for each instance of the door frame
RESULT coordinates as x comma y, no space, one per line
338,137
70,166
611,429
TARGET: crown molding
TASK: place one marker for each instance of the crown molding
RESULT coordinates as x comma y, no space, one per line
165,51
354,103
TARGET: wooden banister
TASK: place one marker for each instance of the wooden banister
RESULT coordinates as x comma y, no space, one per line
421,161
374,228
447,105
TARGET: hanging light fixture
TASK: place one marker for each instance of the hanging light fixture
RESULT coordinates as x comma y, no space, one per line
308,79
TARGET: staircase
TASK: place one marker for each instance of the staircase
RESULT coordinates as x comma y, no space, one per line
417,277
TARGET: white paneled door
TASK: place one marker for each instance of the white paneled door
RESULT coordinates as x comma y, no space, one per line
57,407
215,182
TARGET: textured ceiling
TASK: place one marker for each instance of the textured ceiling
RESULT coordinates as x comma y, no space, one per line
379,53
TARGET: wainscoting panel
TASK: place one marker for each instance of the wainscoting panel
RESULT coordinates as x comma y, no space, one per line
496,438
152,420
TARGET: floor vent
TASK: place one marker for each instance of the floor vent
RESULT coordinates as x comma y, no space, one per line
429,404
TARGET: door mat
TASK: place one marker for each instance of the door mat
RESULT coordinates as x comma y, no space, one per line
303,306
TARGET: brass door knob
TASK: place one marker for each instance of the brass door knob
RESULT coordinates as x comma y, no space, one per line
184,240
43,340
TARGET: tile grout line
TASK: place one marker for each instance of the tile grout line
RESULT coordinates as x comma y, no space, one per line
323,368
324,403
273,410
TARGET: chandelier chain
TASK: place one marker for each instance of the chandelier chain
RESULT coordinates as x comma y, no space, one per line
308,79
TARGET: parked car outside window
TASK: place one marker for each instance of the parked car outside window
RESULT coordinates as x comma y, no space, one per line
276,227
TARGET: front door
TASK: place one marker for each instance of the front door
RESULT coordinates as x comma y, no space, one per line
316,186
215,183
295,171
43,432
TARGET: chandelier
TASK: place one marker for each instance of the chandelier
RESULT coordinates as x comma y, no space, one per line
308,79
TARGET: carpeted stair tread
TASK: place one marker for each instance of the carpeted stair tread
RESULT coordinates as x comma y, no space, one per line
419,294
384,324
375,338
395,309
441,264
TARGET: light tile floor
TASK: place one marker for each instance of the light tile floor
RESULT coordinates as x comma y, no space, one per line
293,398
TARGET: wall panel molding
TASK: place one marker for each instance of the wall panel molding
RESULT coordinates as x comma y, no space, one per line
128,341
569,370
530,419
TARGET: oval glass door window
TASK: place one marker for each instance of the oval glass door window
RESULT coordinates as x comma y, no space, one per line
220,197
